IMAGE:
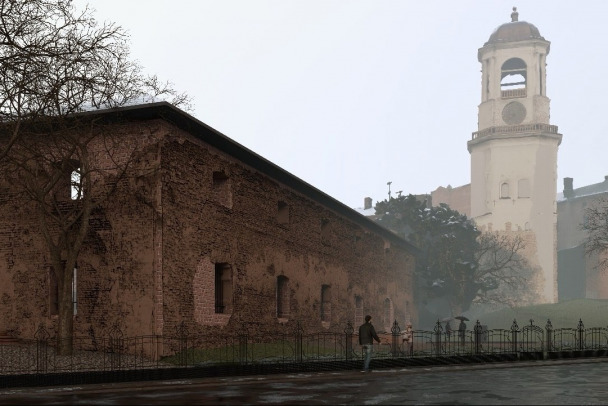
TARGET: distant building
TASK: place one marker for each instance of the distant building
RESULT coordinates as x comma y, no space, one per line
578,275
457,198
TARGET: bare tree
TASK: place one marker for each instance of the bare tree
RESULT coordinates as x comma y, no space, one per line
596,225
57,63
502,270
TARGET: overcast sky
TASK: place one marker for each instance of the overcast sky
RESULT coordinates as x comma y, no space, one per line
348,95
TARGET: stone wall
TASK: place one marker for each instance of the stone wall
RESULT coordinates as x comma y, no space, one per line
245,227
150,259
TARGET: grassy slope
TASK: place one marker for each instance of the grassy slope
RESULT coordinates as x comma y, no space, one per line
593,313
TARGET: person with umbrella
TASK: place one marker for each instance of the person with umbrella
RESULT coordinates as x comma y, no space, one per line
462,327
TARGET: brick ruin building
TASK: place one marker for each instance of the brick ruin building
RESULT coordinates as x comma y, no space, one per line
205,231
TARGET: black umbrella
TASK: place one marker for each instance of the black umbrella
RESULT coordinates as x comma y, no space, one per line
461,318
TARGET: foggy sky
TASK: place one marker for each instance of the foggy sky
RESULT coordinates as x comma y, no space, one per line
348,95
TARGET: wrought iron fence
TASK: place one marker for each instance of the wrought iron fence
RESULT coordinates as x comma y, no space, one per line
115,352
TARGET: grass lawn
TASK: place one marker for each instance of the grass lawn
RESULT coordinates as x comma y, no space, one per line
593,313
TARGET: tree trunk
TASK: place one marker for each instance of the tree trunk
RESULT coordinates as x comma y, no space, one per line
65,326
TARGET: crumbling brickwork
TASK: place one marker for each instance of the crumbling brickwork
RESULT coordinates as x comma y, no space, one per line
202,231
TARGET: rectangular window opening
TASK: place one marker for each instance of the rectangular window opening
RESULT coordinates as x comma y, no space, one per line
221,189
282,213
223,288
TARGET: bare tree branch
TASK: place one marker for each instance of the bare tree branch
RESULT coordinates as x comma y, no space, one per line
596,225
57,63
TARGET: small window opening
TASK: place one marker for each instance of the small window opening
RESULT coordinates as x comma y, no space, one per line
283,297
325,303
513,78
223,288
504,190
282,213
387,247
221,189
76,184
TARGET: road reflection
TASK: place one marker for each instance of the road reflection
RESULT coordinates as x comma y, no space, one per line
540,383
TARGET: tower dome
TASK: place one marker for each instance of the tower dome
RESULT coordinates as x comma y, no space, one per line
514,31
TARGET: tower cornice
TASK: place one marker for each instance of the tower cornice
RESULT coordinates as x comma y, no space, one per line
533,43
514,131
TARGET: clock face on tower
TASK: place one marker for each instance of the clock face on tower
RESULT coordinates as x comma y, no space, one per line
514,113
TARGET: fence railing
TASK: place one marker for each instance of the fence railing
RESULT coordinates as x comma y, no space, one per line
116,352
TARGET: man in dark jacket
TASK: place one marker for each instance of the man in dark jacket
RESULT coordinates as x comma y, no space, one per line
367,335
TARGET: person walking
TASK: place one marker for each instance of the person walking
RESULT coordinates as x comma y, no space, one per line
408,339
367,335
462,327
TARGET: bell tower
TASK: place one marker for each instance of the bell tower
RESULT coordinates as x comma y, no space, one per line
514,150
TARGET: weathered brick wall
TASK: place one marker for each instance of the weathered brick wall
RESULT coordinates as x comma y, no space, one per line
149,260
199,231
115,272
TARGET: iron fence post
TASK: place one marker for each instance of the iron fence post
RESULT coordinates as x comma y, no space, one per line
581,334
478,331
299,356
115,346
348,331
438,331
395,334
549,329
514,331
42,337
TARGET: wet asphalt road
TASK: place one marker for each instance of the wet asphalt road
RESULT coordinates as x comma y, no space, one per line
572,382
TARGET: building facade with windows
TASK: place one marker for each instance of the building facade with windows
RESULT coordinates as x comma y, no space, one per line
204,231
579,276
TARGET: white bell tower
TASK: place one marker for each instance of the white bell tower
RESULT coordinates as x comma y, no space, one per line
514,151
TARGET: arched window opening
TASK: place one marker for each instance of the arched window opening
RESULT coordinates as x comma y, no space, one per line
76,184
504,190
513,78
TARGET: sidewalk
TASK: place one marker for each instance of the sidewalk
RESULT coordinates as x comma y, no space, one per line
344,375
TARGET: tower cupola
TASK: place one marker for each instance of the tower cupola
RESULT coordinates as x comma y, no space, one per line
513,78
514,31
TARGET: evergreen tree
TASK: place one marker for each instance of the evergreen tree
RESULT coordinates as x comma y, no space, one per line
456,261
